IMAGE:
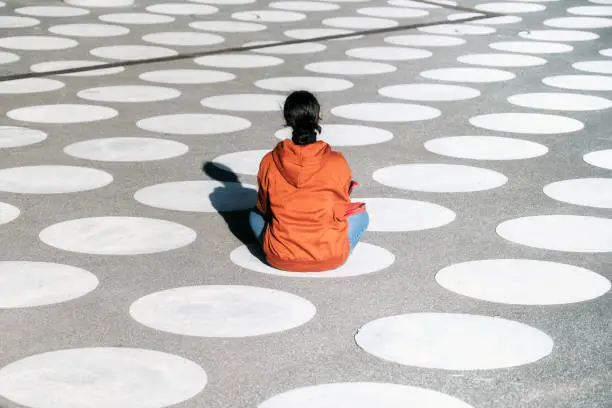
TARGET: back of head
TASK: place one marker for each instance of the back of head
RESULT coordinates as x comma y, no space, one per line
301,113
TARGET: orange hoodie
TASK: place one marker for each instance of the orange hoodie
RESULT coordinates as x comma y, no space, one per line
304,193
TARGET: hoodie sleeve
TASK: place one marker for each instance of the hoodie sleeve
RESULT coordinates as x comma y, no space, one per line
262,187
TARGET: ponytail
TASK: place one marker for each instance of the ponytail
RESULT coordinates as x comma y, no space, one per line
304,134
301,113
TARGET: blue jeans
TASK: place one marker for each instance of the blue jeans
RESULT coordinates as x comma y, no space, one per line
358,224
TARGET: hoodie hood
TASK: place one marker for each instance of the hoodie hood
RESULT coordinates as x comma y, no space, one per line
298,164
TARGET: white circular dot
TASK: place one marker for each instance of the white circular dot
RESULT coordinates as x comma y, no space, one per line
8,213
558,35
182,9
536,123
560,101
117,235
187,76
424,40
365,259
580,82
37,43
398,215
222,311
602,11
346,135
311,33
52,11
52,179
227,26
392,12
132,52
439,178
523,281
100,3
102,378
184,39
468,74
469,342
457,29
246,162
238,61
510,7
14,136
429,92
579,22
485,148
606,52
67,64
303,6
62,113
89,30
349,67
126,149
596,67
17,22
194,124
30,284
362,395
502,60
386,112
8,57
569,233
136,18
462,16
129,93
312,84
359,23
388,53
589,192
199,196
245,102
30,85
502,20
269,16
302,48
531,47
601,158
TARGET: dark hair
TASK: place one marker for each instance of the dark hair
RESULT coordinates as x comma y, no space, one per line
301,113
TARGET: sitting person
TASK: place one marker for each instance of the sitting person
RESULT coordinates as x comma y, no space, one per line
304,218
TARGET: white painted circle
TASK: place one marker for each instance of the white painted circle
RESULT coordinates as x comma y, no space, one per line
30,284
559,35
136,18
117,235
303,6
100,3
17,22
602,11
510,7
312,33
531,47
8,57
68,64
392,12
346,135
523,282
15,136
52,179
601,158
30,85
89,30
227,26
365,259
468,74
439,178
129,93
579,22
596,67
560,101
362,395
412,4
389,53
183,39
52,11
199,196
182,9
8,213
589,192
269,16
37,43
485,148
102,378
502,60
429,92
246,162
302,48
222,311
224,2
244,61
126,149
457,29
606,52
386,112
245,102
424,40
359,23
312,84
569,233
462,16
187,76
62,113
580,82
132,52
502,20
535,123
194,124
349,67
470,342
400,215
